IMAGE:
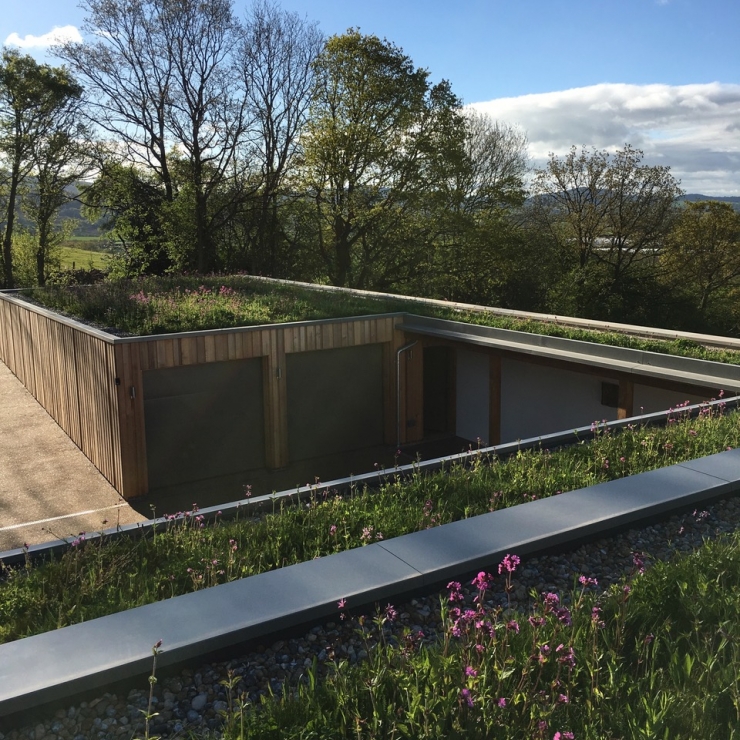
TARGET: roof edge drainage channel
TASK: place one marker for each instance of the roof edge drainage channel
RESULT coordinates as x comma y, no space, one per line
59,664
266,502
623,359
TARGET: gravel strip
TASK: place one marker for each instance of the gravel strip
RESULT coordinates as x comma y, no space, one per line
193,700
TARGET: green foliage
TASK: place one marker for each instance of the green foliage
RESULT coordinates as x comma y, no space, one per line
702,256
380,140
25,256
157,305
132,206
34,98
99,577
609,216
630,663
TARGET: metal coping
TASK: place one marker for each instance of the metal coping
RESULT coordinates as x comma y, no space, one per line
653,332
625,359
257,504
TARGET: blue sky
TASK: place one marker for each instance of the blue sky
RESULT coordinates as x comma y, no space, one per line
663,75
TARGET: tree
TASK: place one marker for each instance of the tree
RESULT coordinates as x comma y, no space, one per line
60,158
702,252
479,247
133,206
609,216
497,153
277,56
206,109
32,96
128,75
570,201
162,81
380,140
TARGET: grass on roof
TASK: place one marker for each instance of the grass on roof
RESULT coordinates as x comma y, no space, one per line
170,304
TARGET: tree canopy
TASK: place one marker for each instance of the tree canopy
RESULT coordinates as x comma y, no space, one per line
609,215
703,250
380,140
227,143
34,98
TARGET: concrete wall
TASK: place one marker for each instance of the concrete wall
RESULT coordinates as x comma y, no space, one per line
473,393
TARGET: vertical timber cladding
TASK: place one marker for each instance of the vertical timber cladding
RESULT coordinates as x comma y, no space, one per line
335,400
203,421
71,372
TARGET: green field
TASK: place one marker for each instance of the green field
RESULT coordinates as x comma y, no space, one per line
83,258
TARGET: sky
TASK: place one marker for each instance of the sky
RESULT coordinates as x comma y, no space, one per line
661,75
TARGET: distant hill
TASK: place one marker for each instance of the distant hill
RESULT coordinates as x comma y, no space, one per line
732,199
71,210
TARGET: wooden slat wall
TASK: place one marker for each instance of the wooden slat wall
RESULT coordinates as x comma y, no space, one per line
71,373
156,353
270,343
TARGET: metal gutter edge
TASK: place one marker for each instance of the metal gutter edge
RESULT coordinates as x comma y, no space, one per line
257,504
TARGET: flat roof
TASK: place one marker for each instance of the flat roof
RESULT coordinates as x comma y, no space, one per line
639,363
90,655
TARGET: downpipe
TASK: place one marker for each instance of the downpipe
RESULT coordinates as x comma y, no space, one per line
399,351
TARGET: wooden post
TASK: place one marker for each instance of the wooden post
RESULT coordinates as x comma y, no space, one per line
626,398
275,399
494,399
130,392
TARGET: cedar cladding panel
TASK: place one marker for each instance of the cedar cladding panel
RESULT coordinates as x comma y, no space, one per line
71,373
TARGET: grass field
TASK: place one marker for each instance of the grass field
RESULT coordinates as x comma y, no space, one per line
95,243
76,257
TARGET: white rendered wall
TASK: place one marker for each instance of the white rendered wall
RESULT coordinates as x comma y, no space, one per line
537,400
647,399
473,391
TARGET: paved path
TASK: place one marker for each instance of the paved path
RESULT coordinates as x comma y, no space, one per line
48,488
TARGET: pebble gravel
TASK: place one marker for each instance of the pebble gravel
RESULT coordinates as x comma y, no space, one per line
194,700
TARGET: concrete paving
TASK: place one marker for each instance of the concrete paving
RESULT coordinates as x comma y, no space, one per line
48,488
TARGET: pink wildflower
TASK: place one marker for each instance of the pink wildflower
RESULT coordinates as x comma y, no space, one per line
509,564
465,694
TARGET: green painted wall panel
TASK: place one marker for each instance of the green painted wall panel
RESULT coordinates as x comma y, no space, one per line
203,421
335,400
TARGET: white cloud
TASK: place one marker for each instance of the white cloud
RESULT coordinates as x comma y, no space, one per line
694,129
59,34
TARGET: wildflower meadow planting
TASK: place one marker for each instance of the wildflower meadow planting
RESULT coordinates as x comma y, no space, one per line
101,577
657,656
158,305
